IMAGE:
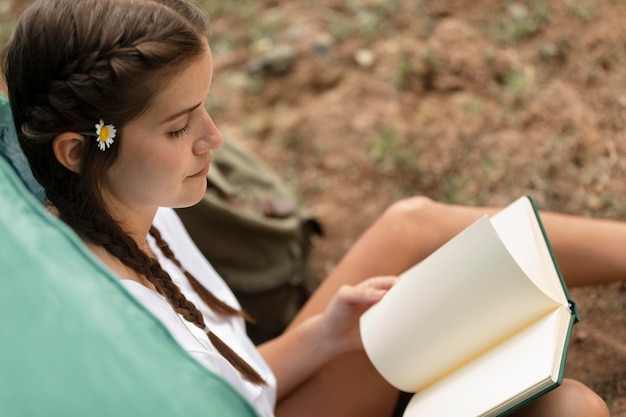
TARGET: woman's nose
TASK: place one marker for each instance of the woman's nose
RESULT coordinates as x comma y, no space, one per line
210,139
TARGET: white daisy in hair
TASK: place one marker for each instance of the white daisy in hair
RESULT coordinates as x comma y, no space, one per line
105,135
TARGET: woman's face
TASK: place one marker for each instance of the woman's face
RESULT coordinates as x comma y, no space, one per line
164,154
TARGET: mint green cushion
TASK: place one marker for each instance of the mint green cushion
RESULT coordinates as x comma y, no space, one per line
10,148
73,342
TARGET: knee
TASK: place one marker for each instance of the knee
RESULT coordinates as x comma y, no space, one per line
581,401
571,399
433,222
411,210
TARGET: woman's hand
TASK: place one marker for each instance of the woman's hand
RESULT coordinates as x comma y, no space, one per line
301,350
340,320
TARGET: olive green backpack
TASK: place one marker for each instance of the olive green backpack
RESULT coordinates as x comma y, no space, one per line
253,230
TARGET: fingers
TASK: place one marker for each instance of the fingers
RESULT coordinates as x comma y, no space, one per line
341,319
381,283
368,291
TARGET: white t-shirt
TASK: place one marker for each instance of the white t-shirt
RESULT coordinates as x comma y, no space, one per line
231,330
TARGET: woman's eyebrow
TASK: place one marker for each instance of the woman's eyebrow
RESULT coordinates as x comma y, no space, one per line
179,114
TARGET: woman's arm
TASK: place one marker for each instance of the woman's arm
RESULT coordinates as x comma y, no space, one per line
299,353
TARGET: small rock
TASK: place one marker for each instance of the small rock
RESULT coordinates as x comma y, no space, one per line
365,58
276,60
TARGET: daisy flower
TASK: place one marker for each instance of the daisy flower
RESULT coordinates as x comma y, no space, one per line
105,135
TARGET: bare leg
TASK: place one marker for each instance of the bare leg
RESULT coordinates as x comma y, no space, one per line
587,251
571,399
347,386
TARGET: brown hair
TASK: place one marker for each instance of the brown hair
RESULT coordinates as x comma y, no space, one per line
71,63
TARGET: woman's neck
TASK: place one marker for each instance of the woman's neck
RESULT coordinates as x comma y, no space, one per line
135,220
118,267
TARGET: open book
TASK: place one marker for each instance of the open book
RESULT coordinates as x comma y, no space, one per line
479,327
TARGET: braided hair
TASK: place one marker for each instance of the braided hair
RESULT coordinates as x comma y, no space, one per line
71,63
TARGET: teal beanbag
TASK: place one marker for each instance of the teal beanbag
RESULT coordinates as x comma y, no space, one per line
73,342
10,148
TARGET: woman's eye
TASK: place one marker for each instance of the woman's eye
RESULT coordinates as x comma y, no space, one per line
179,133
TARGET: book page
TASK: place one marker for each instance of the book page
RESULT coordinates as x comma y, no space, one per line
519,229
463,299
511,373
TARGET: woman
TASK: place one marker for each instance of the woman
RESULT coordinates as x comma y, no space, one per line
107,97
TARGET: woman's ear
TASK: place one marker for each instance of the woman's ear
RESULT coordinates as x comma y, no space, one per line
68,148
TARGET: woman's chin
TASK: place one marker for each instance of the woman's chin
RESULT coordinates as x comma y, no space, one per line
192,201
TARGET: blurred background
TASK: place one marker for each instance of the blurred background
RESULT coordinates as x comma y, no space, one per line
357,103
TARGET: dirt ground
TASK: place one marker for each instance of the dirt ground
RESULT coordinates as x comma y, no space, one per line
358,103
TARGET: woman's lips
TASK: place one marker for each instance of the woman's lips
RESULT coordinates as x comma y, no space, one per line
202,172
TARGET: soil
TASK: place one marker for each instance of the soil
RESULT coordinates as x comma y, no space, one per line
359,103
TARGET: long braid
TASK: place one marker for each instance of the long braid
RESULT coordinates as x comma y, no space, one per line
216,304
123,247
190,313
211,300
